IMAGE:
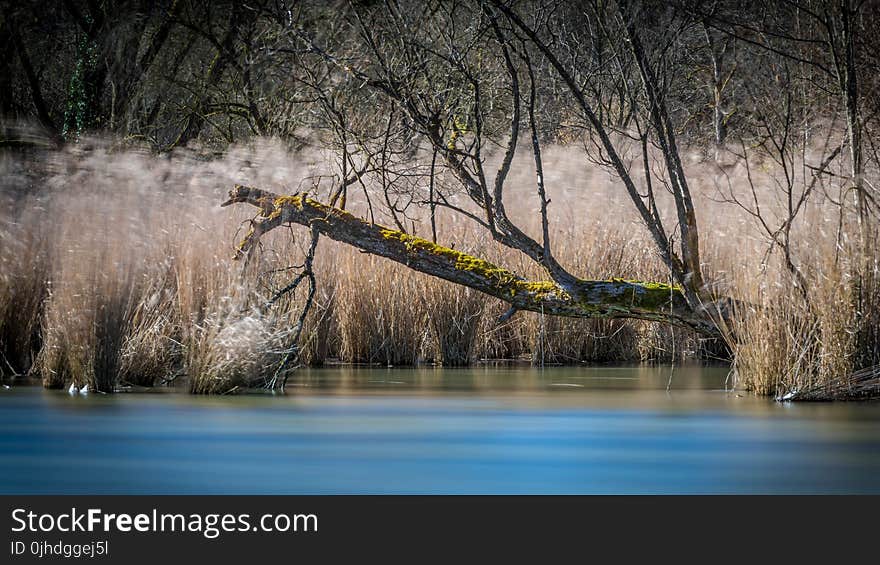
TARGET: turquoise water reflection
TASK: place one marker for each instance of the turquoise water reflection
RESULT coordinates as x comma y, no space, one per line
508,430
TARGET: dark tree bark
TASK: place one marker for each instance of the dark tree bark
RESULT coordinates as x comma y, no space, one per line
129,93
34,84
195,121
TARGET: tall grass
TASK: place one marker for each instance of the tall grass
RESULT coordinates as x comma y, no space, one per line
117,271
380,318
24,275
792,347
454,318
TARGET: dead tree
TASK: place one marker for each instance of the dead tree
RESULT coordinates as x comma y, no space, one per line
442,72
615,298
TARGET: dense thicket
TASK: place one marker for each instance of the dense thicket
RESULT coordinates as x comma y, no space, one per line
174,71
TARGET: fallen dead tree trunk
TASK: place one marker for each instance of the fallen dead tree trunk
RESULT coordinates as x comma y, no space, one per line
615,298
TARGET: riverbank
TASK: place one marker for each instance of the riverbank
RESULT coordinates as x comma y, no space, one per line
117,271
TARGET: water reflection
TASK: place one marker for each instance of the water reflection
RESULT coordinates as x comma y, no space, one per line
483,430
512,378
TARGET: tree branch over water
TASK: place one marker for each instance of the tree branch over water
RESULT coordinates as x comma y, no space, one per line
615,298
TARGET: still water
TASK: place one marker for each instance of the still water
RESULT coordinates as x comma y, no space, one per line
483,430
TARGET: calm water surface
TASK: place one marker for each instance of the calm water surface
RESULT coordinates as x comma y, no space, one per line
485,430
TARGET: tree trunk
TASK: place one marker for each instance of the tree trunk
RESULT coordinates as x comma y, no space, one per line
616,298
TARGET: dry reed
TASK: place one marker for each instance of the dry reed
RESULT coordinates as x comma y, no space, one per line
117,270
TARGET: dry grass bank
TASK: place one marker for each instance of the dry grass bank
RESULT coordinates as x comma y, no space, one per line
117,270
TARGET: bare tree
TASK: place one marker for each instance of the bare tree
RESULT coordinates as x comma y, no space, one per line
461,76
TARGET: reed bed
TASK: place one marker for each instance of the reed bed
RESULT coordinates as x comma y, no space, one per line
820,348
117,271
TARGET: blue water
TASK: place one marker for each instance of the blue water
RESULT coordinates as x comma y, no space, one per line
598,430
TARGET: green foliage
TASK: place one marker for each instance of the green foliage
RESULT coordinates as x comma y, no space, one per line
80,94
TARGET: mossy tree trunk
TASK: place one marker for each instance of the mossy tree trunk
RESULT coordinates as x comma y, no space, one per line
615,298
